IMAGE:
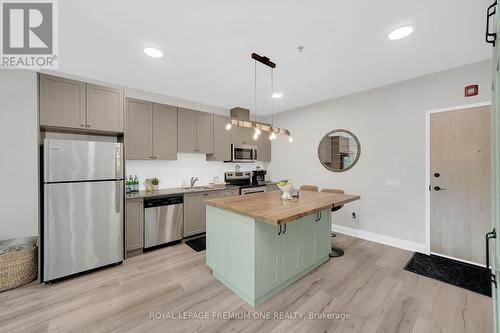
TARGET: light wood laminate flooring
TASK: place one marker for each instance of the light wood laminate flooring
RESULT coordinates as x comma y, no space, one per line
368,285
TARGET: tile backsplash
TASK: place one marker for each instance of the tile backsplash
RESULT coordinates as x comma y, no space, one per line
178,173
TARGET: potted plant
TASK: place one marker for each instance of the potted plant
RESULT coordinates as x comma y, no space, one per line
156,183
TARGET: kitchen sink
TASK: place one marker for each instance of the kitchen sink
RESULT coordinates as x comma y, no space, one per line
197,188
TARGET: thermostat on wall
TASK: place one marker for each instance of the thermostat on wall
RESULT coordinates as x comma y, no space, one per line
472,90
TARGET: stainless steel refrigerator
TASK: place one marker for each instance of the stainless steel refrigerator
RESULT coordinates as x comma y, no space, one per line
82,206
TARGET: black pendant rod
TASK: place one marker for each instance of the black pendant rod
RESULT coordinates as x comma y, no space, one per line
263,60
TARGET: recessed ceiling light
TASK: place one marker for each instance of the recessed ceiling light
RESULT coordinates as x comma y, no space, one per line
277,95
400,33
153,53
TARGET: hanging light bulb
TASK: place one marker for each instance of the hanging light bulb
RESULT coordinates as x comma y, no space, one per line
257,131
228,126
255,136
272,136
290,139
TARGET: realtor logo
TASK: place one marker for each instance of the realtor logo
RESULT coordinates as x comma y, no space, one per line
28,34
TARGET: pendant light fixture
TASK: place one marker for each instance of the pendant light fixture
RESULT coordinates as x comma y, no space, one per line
259,127
257,130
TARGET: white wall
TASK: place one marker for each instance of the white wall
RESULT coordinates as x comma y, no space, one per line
178,173
390,124
18,154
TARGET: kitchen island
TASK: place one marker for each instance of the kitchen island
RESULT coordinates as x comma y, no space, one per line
258,244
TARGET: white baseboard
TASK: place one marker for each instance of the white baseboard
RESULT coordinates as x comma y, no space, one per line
382,239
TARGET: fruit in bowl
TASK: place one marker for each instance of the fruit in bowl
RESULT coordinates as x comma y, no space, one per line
286,188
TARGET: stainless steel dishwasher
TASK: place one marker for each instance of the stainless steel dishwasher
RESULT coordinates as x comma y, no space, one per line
163,220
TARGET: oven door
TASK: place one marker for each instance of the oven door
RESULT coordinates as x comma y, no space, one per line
244,153
250,190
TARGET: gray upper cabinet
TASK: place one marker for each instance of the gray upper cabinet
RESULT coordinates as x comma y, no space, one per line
151,131
74,104
138,139
104,108
164,132
204,132
222,140
195,132
186,131
264,147
62,102
242,136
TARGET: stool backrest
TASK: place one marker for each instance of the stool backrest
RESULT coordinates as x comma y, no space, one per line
312,188
333,190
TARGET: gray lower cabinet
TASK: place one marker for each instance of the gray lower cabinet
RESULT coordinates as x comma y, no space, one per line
62,102
232,192
104,108
74,104
134,225
195,212
151,131
222,140
195,132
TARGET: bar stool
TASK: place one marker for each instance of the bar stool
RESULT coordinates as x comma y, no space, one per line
336,252
312,188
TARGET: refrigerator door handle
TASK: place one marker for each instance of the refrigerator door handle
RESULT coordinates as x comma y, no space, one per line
118,195
118,162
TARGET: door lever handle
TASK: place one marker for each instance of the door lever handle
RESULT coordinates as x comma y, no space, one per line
438,188
490,235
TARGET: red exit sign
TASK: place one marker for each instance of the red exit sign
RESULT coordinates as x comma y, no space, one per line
471,90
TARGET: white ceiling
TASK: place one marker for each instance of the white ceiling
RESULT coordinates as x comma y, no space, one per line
207,45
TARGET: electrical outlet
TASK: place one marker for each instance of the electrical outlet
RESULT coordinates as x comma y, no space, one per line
354,217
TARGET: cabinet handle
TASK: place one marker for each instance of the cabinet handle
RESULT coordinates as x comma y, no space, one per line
82,124
490,235
491,37
284,229
88,125
279,232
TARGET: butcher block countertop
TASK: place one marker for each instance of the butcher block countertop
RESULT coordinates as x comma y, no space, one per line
268,206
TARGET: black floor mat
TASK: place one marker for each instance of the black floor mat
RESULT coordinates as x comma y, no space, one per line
198,244
467,276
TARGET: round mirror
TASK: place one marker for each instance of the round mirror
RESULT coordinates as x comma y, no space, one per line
339,150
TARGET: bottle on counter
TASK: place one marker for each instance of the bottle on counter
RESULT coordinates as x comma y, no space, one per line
128,184
136,184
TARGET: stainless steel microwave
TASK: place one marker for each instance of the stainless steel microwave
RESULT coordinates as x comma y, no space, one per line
243,153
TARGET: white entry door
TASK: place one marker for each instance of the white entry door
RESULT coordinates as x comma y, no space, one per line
460,183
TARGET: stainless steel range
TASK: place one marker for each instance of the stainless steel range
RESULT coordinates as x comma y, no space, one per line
244,181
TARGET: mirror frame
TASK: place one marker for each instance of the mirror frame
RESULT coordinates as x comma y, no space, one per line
357,143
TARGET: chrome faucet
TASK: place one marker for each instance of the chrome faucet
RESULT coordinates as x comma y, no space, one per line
193,180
